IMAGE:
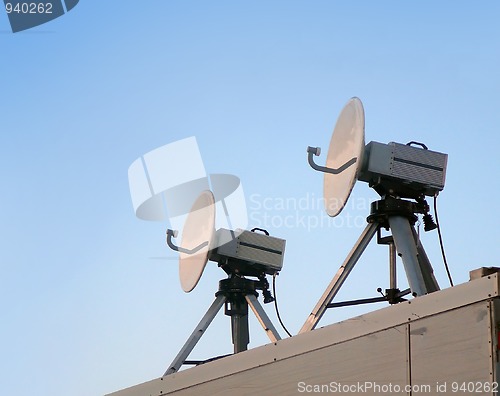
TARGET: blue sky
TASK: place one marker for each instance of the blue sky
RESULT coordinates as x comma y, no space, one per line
84,306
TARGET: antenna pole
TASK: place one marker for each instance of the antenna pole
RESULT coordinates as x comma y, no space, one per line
237,308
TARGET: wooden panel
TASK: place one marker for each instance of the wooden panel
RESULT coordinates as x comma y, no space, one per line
454,346
449,329
379,358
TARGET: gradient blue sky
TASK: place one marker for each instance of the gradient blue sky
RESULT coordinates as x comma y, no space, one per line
85,309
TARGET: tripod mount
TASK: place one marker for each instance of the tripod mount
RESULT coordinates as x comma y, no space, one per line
236,293
399,216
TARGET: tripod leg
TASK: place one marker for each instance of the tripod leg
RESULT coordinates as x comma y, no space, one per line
339,277
425,266
393,280
196,335
264,320
418,269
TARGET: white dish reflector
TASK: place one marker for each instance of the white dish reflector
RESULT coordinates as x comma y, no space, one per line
347,142
199,229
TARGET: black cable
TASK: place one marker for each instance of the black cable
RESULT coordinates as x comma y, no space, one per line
441,241
276,306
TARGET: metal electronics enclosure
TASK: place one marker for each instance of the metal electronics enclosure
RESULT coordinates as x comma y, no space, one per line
405,169
435,342
262,252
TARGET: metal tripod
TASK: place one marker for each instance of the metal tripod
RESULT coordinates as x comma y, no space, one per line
236,293
399,216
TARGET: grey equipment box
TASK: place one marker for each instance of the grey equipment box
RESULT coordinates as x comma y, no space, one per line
262,252
403,169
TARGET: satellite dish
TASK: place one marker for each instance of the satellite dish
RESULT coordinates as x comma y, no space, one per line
347,144
197,236
240,254
396,171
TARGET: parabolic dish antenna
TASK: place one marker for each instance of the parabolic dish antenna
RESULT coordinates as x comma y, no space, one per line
395,171
197,234
239,253
347,143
